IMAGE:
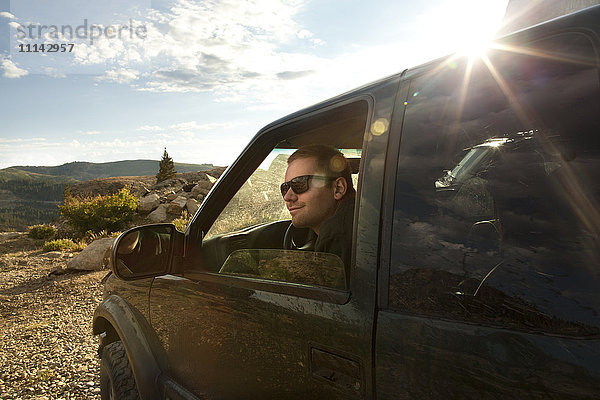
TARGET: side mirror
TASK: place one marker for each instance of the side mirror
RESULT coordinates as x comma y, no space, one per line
145,251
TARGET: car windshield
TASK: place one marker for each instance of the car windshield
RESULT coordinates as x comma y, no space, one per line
470,163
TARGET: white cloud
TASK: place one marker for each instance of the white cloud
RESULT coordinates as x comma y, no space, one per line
194,126
184,126
54,73
89,133
205,46
121,75
6,14
227,47
151,128
11,70
189,129
303,34
238,51
21,140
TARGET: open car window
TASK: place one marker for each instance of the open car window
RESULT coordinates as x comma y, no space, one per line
259,200
247,239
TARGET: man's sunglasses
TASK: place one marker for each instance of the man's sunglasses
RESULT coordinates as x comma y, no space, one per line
300,184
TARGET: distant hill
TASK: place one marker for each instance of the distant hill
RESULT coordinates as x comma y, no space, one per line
30,195
84,171
27,198
15,174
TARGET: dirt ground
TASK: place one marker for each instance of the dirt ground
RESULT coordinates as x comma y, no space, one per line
47,350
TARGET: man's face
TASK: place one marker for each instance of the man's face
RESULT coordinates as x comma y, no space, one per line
311,208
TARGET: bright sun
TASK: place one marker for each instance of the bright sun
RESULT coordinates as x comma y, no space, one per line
465,26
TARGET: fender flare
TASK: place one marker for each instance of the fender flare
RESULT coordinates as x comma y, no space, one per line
146,355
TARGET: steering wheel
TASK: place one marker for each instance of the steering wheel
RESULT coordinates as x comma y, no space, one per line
297,238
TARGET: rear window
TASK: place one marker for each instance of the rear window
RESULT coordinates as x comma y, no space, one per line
496,212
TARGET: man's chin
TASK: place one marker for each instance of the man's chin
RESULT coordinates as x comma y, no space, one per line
298,223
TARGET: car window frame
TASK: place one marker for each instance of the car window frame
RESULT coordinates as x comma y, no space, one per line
234,178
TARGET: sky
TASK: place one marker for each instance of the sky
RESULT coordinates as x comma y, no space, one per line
121,80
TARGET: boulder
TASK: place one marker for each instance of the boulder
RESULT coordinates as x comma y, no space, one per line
158,215
177,205
173,182
93,257
192,206
184,194
201,189
188,187
148,203
171,196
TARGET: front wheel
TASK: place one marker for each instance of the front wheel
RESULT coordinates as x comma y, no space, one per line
116,377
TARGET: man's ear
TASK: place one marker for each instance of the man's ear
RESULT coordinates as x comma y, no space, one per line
340,187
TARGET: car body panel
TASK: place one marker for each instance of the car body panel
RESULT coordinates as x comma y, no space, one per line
436,359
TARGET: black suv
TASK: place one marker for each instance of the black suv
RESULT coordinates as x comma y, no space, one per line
475,267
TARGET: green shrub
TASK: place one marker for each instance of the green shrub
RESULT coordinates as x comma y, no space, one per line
63,245
91,236
182,222
108,213
42,232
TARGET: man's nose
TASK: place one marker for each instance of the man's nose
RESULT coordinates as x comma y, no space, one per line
290,195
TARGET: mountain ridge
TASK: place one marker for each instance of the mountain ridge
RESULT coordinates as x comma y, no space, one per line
15,174
84,170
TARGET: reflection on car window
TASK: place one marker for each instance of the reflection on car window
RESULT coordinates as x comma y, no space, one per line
259,199
496,210
310,268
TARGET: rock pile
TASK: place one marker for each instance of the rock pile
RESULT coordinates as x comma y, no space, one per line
158,202
167,200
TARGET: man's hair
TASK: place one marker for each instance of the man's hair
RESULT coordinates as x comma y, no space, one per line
330,161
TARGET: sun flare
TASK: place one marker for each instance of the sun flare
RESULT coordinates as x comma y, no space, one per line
465,27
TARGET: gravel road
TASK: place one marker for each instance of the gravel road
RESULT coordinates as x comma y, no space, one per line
47,350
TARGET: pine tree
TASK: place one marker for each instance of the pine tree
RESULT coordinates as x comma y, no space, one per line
67,194
166,168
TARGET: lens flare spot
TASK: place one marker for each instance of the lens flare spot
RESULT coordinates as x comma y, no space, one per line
380,126
337,164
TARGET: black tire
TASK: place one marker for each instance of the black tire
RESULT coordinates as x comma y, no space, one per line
116,378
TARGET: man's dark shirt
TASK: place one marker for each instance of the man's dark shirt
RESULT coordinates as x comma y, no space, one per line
335,234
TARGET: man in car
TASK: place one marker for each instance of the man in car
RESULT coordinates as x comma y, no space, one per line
319,195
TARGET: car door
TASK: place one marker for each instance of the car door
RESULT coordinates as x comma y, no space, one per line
231,335
491,289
